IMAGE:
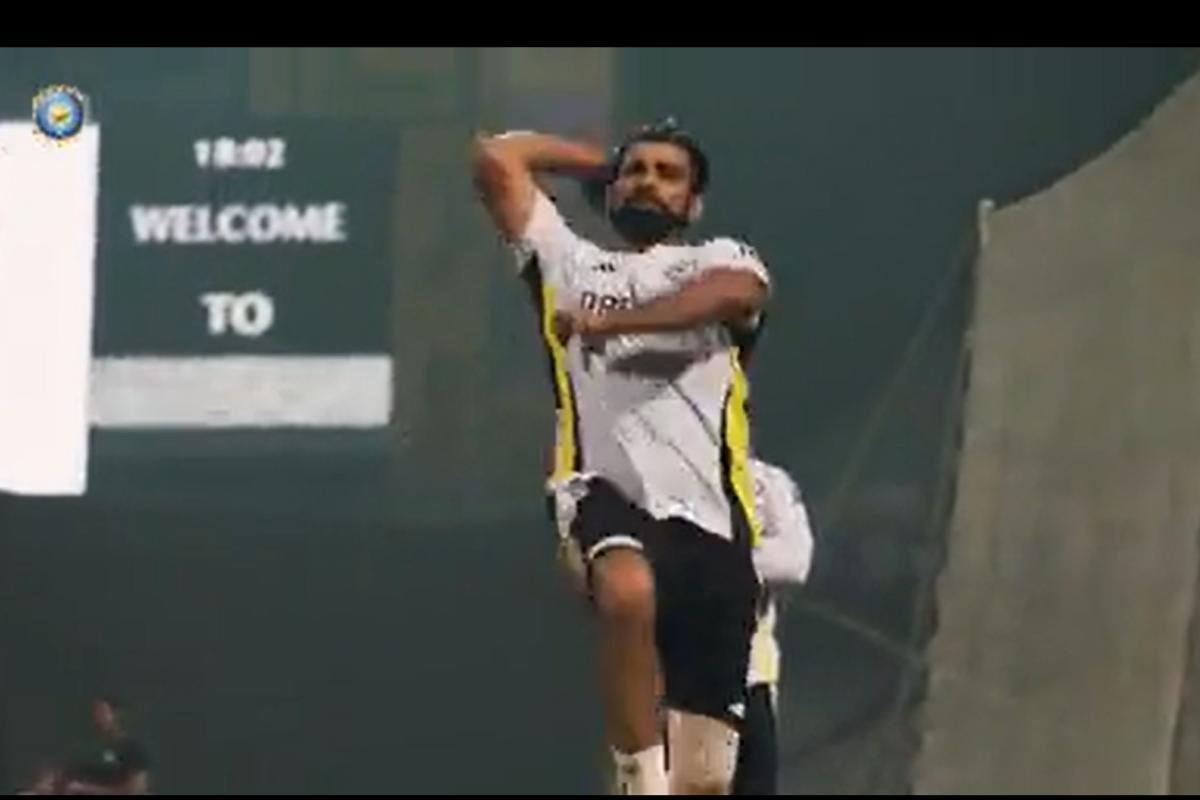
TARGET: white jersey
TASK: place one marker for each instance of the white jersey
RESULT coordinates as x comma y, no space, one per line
784,552
783,556
662,416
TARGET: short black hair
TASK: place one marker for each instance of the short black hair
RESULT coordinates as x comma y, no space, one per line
669,131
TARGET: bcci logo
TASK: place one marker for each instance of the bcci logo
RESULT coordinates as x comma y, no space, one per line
58,113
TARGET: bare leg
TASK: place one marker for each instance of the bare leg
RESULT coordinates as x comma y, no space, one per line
623,591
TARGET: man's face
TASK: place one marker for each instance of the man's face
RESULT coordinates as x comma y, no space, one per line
654,175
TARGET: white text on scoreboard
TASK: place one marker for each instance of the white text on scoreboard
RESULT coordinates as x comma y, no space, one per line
245,314
227,152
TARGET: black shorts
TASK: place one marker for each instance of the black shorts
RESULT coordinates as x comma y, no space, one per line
705,590
758,750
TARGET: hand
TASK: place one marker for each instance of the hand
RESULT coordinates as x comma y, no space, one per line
588,325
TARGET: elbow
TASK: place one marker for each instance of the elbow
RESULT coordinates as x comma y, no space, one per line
483,150
487,165
491,169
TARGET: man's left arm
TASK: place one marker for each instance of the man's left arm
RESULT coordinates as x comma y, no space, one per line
719,295
731,287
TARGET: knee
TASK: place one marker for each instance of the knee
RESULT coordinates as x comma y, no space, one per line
623,587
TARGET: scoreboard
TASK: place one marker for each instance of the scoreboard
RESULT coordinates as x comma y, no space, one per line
243,273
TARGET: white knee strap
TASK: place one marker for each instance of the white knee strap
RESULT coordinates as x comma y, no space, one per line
702,753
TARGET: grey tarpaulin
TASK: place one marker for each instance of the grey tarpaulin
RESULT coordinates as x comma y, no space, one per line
1070,582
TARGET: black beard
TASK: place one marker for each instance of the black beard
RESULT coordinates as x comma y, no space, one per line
645,225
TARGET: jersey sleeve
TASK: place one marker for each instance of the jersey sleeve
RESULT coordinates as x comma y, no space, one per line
548,244
733,254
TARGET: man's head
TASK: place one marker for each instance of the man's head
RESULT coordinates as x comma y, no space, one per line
106,716
658,182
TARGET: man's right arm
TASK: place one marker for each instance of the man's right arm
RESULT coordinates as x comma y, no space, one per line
504,167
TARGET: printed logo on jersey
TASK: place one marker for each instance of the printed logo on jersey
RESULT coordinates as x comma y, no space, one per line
746,251
597,301
681,269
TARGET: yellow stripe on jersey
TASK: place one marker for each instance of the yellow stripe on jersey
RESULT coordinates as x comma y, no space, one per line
737,445
764,650
566,445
